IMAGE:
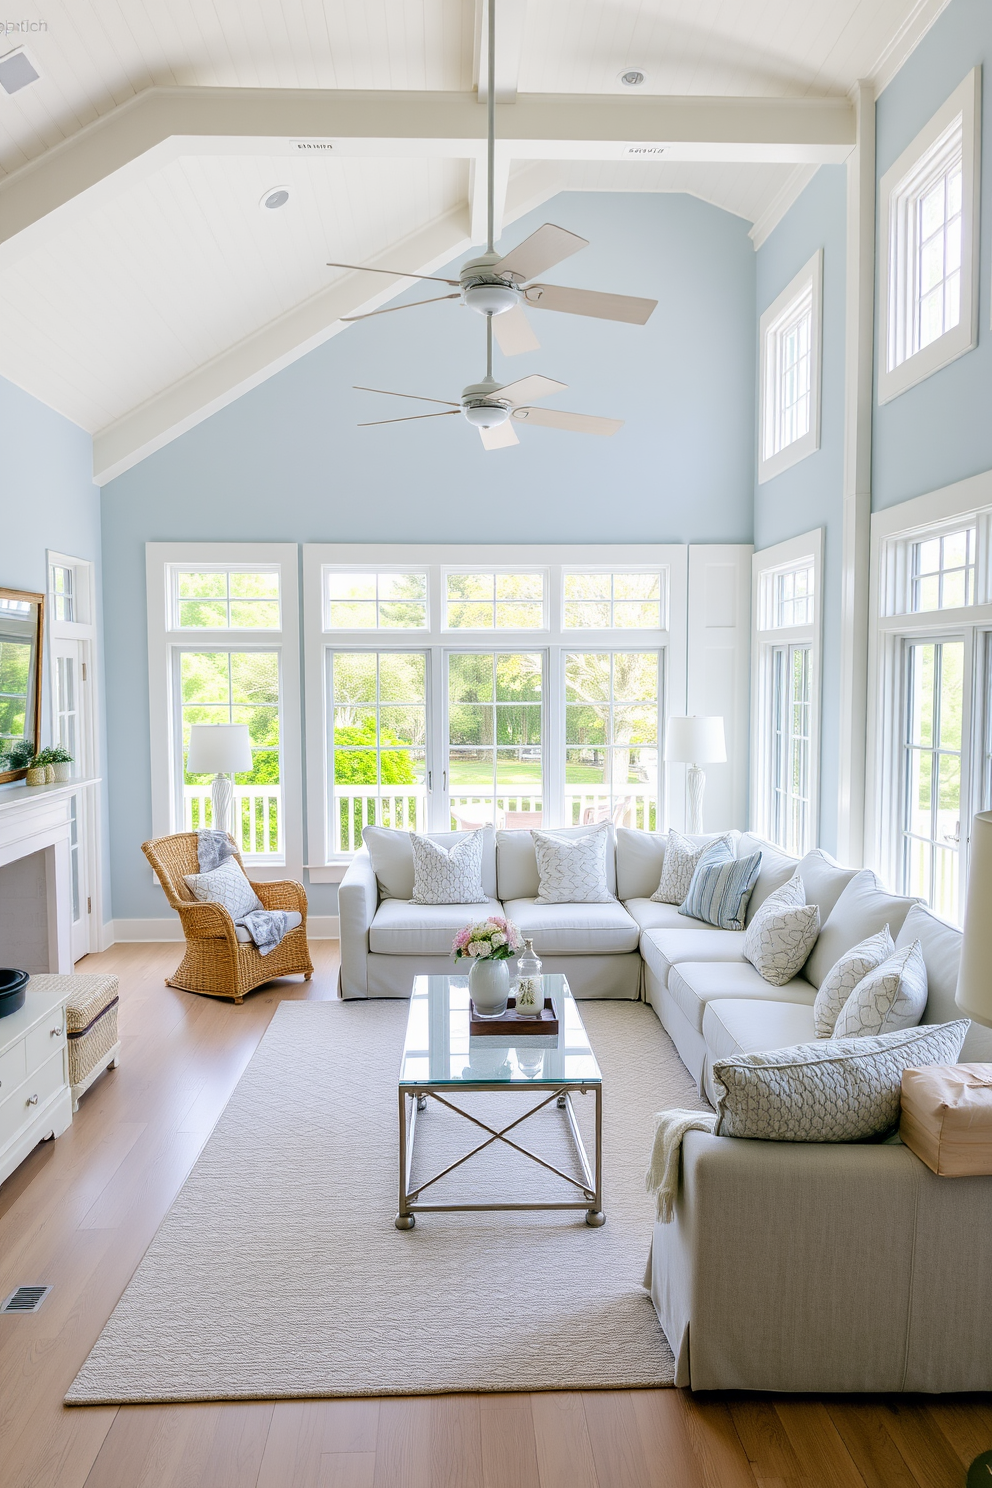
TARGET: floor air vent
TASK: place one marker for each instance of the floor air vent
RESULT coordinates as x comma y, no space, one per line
26,1299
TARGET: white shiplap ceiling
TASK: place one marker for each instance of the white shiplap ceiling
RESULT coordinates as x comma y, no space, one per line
129,317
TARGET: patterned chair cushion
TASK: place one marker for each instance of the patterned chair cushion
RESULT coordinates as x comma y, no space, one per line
842,978
572,870
447,875
782,933
892,996
834,1090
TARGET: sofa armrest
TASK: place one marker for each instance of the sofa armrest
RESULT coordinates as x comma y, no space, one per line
284,893
358,900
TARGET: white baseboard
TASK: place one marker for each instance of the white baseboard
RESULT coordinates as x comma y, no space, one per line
319,927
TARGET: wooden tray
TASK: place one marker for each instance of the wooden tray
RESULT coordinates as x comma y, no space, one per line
510,1023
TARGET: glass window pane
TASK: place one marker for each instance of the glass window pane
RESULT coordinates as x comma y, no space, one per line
254,585
587,677
202,585
403,586
636,616
519,616
470,723
587,615
351,586
354,677
402,678
520,586
635,676
249,613
352,616
194,612
470,616
470,677
255,677
403,725
476,586
636,586
403,615
951,693
587,586
519,678
586,725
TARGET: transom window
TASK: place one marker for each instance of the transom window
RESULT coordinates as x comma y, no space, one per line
494,601
790,373
943,571
61,590
794,596
375,601
226,599
612,601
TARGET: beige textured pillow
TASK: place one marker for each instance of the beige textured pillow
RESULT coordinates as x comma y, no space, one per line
681,860
782,933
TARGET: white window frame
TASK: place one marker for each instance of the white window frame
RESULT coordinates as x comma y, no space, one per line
165,638
900,187
766,637
892,625
552,640
809,280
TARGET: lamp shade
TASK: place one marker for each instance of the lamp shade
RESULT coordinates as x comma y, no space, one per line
695,741
219,749
974,994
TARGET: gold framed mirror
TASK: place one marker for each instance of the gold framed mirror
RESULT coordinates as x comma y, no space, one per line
22,626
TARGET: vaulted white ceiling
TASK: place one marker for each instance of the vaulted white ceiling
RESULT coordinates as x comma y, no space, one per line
166,290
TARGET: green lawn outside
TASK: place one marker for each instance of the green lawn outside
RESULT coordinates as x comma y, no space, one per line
525,772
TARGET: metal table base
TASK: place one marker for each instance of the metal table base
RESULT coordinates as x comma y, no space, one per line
413,1098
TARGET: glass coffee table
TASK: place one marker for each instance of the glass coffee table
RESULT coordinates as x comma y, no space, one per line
441,1059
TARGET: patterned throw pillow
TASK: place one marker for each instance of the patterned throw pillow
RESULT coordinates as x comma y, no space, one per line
892,996
842,978
572,870
834,1090
227,886
719,891
443,875
679,864
782,933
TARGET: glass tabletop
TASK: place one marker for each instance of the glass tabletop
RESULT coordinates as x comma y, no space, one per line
439,1050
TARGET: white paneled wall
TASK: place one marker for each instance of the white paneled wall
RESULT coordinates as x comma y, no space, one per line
718,668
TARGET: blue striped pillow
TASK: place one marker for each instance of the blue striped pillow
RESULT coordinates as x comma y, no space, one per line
720,890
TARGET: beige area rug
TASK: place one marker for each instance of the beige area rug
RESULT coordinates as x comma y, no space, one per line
278,1272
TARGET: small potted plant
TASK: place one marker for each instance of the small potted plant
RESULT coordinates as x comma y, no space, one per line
38,769
488,946
61,761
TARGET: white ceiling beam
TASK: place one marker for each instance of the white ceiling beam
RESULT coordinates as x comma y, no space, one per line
163,123
509,48
226,377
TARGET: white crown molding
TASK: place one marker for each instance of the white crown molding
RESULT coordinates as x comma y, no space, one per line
905,42
787,195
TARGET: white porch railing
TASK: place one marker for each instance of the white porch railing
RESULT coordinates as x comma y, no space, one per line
358,806
256,816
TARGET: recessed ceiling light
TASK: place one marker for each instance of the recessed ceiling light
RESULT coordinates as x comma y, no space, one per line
16,71
632,77
276,196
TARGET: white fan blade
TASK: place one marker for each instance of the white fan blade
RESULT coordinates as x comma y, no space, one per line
544,248
526,389
514,333
575,423
589,302
499,438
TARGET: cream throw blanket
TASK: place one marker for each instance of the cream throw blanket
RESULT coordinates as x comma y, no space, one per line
663,1176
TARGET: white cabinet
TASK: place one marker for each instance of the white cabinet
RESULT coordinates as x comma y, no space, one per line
34,1078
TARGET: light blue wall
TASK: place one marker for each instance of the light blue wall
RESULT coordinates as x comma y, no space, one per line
286,462
47,500
941,430
809,495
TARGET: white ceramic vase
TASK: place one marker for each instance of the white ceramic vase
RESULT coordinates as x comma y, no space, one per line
489,986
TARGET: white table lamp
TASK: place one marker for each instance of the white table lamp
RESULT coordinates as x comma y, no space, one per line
221,750
695,741
974,993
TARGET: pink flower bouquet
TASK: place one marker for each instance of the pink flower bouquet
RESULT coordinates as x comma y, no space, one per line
491,940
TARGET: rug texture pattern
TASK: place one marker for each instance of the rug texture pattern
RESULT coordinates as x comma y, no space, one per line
278,1271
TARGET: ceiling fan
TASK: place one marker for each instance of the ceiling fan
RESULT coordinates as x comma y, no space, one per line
496,286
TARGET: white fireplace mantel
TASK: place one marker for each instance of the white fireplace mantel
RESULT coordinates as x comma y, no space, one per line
36,905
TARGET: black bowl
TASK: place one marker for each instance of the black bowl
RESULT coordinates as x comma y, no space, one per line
13,988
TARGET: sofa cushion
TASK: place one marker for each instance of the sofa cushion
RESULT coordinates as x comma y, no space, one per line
391,853
293,919
663,949
824,880
753,1026
861,910
652,916
516,862
640,856
692,984
776,867
574,929
401,928
941,947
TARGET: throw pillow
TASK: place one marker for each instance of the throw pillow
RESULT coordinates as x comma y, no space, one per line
834,1090
443,875
720,890
892,996
680,862
842,978
572,870
227,886
782,933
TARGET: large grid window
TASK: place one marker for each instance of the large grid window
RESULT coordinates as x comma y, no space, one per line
221,686
612,601
612,707
495,738
226,599
943,571
790,373
378,742
375,601
937,290
790,752
494,601
932,752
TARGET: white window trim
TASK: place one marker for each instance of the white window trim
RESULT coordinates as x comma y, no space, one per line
810,275
765,564
892,531
965,100
436,559
163,641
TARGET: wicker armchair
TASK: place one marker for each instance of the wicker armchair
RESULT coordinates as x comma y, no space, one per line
216,963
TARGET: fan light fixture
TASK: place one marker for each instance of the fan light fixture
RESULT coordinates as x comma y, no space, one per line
633,77
276,196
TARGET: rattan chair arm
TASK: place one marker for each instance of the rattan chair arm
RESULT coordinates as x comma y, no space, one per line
285,893
206,922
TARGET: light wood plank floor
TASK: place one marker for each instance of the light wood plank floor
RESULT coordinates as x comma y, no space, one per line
80,1212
